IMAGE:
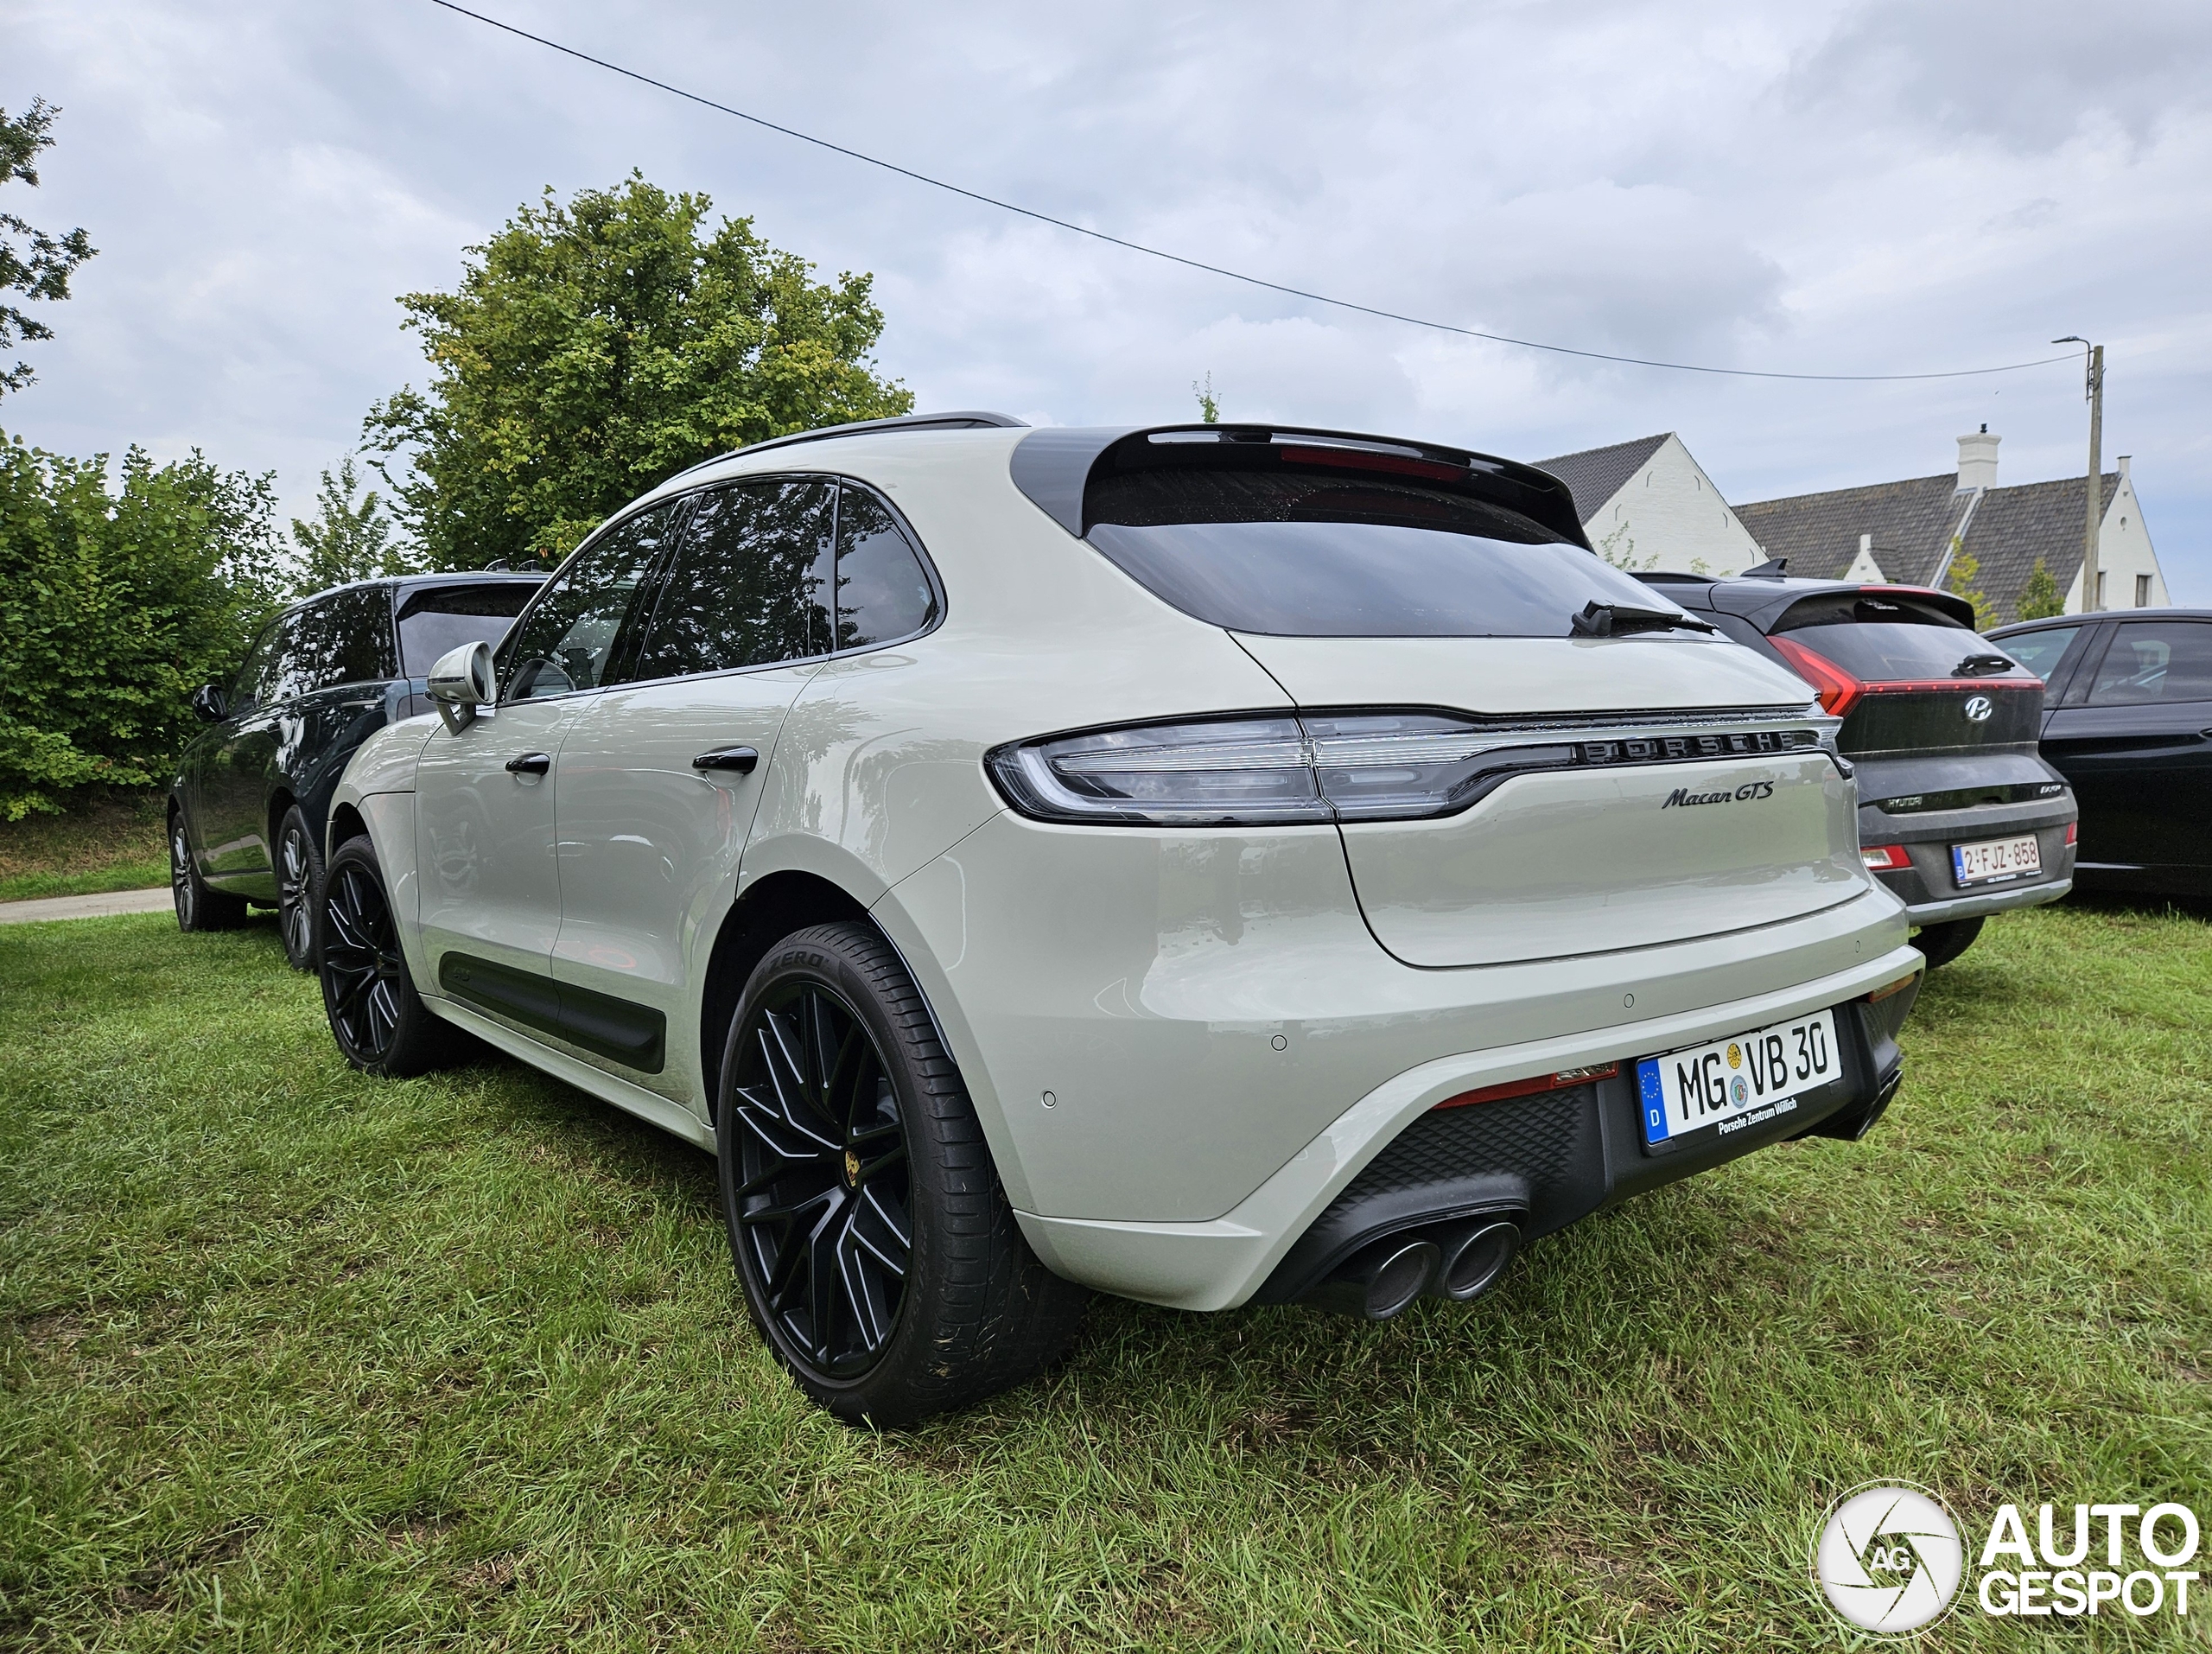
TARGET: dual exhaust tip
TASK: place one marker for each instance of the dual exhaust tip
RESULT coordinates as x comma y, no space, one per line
1456,1261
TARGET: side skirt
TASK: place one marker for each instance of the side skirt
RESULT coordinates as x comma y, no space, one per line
649,1106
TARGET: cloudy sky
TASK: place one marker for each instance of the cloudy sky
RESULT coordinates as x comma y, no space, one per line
1818,187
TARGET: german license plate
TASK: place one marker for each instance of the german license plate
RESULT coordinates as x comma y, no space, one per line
1995,859
1739,1082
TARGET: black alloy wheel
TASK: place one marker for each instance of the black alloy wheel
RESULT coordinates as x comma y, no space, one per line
823,1190
198,908
878,1253
377,1017
297,877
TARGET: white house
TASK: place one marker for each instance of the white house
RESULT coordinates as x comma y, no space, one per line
1647,504
1915,529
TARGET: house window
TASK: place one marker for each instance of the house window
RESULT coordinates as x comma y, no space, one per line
2100,589
2142,591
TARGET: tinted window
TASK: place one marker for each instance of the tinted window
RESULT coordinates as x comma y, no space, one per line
2155,660
569,639
882,592
435,619
1328,555
1890,651
746,585
251,688
345,638
2041,652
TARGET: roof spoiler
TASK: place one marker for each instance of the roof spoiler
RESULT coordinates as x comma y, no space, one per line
1053,466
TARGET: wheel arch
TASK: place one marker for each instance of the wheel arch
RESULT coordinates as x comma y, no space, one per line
768,910
346,822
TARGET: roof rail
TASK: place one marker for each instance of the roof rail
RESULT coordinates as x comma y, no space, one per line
967,419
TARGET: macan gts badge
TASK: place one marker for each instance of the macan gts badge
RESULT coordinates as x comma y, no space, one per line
1218,865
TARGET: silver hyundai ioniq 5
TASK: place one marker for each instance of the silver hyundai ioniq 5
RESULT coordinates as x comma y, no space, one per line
1216,865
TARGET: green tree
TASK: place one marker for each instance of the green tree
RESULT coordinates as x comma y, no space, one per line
1965,569
32,263
2040,598
595,348
1618,549
113,608
345,541
1209,405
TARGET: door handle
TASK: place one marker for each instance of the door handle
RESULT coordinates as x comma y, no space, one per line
530,764
740,759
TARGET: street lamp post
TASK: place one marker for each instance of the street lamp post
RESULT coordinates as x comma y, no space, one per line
2096,397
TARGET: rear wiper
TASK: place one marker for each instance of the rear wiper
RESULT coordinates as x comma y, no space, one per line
1616,619
1975,665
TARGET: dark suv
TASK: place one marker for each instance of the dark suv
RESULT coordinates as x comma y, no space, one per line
247,808
2129,725
1957,814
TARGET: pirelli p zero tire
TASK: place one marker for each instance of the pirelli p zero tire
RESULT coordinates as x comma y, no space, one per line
299,880
1943,943
876,1250
377,1017
198,908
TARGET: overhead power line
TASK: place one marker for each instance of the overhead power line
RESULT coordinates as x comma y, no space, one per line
1200,264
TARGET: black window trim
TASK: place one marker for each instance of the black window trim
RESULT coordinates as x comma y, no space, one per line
657,574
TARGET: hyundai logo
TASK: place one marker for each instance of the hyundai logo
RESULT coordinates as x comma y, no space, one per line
1979,707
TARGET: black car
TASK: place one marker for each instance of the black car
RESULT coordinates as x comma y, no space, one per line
1957,815
247,808
2128,722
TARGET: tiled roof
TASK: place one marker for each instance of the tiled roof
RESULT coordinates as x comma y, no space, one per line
1913,521
1596,474
2015,527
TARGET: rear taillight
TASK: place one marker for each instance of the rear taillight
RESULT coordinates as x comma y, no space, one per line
1839,690
1272,770
2073,832
1885,858
1561,1081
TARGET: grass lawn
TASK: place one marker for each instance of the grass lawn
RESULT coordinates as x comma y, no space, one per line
116,845
290,1359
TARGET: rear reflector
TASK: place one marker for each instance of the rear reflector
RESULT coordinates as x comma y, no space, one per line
1558,1082
1885,858
1889,987
2073,828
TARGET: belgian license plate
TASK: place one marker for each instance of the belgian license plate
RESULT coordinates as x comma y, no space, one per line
1739,1082
1995,859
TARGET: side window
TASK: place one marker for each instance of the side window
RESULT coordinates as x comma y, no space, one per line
2041,652
569,639
746,585
345,638
882,592
251,688
436,619
2153,661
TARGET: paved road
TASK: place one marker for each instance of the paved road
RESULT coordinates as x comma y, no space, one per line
112,901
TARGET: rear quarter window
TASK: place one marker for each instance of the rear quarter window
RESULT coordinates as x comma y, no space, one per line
435,619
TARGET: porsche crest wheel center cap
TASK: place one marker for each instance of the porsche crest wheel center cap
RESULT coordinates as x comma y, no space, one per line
852,1167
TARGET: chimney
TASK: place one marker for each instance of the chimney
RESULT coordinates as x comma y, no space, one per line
1978,459
2123,466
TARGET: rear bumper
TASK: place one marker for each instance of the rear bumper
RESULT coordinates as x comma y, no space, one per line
1930,893
1556,1157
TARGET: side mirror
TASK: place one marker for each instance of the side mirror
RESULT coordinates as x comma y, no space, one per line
461,682
209,702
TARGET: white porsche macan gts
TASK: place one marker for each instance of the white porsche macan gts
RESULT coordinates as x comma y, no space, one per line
1214,864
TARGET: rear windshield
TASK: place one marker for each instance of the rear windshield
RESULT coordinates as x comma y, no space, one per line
1330,555
440,618
1879,652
